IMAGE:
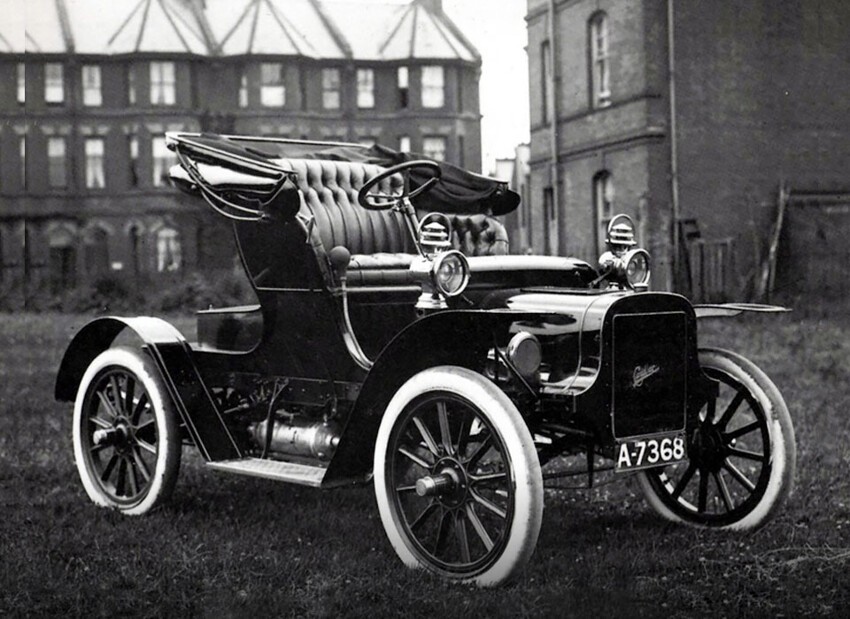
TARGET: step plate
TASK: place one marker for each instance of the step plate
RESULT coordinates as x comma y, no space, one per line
273,469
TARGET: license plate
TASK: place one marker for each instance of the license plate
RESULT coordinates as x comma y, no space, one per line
646,453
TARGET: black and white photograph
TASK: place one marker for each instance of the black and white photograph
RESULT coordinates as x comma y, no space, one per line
424,308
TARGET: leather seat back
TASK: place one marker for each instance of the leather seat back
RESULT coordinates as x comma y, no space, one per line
329,193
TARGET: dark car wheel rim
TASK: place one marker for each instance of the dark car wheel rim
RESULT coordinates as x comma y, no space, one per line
120,436
452,484
729,462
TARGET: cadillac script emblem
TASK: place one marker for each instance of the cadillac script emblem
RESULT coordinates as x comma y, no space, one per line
641,373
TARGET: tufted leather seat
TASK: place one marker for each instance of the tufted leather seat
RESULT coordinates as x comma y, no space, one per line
379,242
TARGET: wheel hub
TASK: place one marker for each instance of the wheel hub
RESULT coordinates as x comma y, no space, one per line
448,482
115,436
708,448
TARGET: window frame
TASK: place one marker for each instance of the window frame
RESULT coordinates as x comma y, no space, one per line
603,205
57,163
21,83
331,88
365,88
244,92
92,88
272,92
162,84
428,152
54,84
95,174
161,161
433,93
545,79
133,175
169,250
600,60
403,86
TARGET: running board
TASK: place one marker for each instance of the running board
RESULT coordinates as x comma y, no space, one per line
291,472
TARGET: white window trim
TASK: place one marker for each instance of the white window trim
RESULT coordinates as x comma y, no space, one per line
433,86
92,85
54,86
163,83
272,94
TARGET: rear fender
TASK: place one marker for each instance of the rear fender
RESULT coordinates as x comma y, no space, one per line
173,357
459,338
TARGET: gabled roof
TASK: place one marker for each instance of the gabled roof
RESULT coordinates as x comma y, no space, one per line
279,27
361,30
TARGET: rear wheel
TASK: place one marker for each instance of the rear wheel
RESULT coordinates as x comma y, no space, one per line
457,479
742,457
126,435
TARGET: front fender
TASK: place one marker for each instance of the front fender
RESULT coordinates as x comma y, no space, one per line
728,310
452,337
97,336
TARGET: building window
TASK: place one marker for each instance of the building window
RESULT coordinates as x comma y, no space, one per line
94,163
330,89
461,151
54,83
272,88
62,259
22,154
404,144
163,83
56,176
545,79
133,160
168,251
365,88
96,252
163,159
603,201
22,83
131,85
135,237
403,87
243,90
433,87
549,218
599,60
434,147
91,85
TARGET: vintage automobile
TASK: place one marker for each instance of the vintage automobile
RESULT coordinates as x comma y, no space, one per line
413,351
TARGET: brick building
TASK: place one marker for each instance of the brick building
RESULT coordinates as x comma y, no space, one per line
697,123
88,88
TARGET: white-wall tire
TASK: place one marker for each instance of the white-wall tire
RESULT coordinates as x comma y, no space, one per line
740,491
125,433
475,450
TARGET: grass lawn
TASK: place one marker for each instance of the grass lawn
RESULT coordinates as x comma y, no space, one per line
233,546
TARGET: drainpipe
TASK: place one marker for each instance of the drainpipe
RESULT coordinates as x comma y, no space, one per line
554,175
674,165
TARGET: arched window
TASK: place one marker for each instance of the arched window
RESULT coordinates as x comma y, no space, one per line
600,90
603,205
169,254
62,258
134,239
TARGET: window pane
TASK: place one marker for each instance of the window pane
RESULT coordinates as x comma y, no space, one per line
56,162
22,83
404,144
163,159
403,87
365,88
131,85
163,85
169,254
434,147
433,91
94,164
133,160
330,89
22,152
272,89
54,85
243,90
599,58
91,85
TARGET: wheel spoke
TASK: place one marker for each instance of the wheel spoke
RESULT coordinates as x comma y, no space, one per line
445,431
100,422
426,436
482,449
416,459
730,410
683,481
745,453
462,538
422,517
703,490
122,477
107,471
489,505
488,477
405,489
729,436
141,465
724,491
107,404
463,437
442,532
116,392
145,445
134,483
736,473
128,397
140,407
479,527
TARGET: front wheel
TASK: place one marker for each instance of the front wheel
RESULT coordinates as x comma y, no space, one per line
126,435
457,478
742,456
